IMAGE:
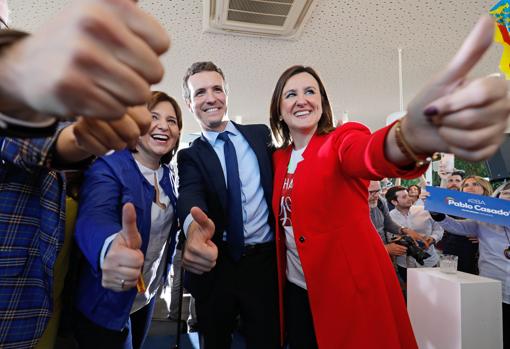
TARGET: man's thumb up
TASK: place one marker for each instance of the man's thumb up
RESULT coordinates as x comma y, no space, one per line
206,225
200,253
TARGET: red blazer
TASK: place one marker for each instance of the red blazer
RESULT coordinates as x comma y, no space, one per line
354,294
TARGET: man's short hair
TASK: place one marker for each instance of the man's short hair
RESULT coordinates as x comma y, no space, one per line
391,194
196,68
458,173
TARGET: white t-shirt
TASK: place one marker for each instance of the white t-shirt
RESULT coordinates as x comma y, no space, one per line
294,269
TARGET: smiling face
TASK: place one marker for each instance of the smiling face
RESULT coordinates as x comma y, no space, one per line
208,100
163,133
301,104
413,191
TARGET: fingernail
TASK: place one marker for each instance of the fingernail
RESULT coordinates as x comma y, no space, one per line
430,112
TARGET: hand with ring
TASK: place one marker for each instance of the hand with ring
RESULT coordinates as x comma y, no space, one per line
122,265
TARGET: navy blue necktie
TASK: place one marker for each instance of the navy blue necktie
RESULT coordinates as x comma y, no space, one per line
235,230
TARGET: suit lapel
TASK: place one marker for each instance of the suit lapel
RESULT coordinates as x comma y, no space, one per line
213,169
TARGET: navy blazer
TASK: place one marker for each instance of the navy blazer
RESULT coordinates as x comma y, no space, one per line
111,182
202,184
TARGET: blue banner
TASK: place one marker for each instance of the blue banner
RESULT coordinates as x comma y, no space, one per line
479,207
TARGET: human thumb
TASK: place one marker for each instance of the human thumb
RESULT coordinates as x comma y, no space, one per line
129,229
206,225
472,49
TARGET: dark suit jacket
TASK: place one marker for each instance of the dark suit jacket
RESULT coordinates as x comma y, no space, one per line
202,184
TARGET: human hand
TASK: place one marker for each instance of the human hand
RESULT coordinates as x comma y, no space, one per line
122,265
429,240
94,59
418,237
422,182
424,194
200,253
394,249
98,137
451,114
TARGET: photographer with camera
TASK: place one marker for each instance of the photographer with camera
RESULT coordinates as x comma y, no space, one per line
416,218
389,230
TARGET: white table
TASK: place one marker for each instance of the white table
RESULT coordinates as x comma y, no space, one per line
453,311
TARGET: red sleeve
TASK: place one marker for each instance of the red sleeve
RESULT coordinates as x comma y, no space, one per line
362,153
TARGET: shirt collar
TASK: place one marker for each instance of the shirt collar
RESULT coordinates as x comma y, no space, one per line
211,136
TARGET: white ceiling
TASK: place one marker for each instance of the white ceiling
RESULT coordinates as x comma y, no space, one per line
353,45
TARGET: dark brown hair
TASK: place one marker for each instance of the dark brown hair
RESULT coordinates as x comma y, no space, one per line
156,98
457,173
278,126
196,68
391,194
416,186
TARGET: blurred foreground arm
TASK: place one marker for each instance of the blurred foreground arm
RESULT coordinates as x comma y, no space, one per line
94,59
454,115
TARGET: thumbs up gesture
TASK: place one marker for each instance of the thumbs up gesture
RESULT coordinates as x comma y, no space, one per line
94,59
454,115
123,262
200,253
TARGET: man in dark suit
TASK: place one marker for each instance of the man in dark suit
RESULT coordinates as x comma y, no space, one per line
224,205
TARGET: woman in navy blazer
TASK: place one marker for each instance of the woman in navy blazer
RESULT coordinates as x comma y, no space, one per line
111,313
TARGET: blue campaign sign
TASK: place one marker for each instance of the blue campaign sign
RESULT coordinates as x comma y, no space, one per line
479,207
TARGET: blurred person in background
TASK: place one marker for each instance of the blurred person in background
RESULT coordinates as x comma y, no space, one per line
494,241
414,192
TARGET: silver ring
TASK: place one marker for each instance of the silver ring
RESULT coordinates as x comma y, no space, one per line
122,282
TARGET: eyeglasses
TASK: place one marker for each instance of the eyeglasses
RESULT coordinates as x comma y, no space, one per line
371,192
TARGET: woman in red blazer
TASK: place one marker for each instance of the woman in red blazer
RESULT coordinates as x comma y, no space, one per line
337,286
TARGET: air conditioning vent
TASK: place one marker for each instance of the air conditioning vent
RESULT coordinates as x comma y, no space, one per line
268,18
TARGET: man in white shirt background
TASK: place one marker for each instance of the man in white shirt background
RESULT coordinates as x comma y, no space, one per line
418,219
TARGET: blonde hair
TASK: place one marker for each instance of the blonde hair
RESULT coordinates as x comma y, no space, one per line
486,186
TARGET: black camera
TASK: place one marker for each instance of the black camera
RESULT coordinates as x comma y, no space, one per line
413,250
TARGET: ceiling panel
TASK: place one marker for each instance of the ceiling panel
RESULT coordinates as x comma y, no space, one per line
353,45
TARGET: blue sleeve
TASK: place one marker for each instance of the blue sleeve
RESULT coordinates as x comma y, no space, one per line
100,211
464,227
